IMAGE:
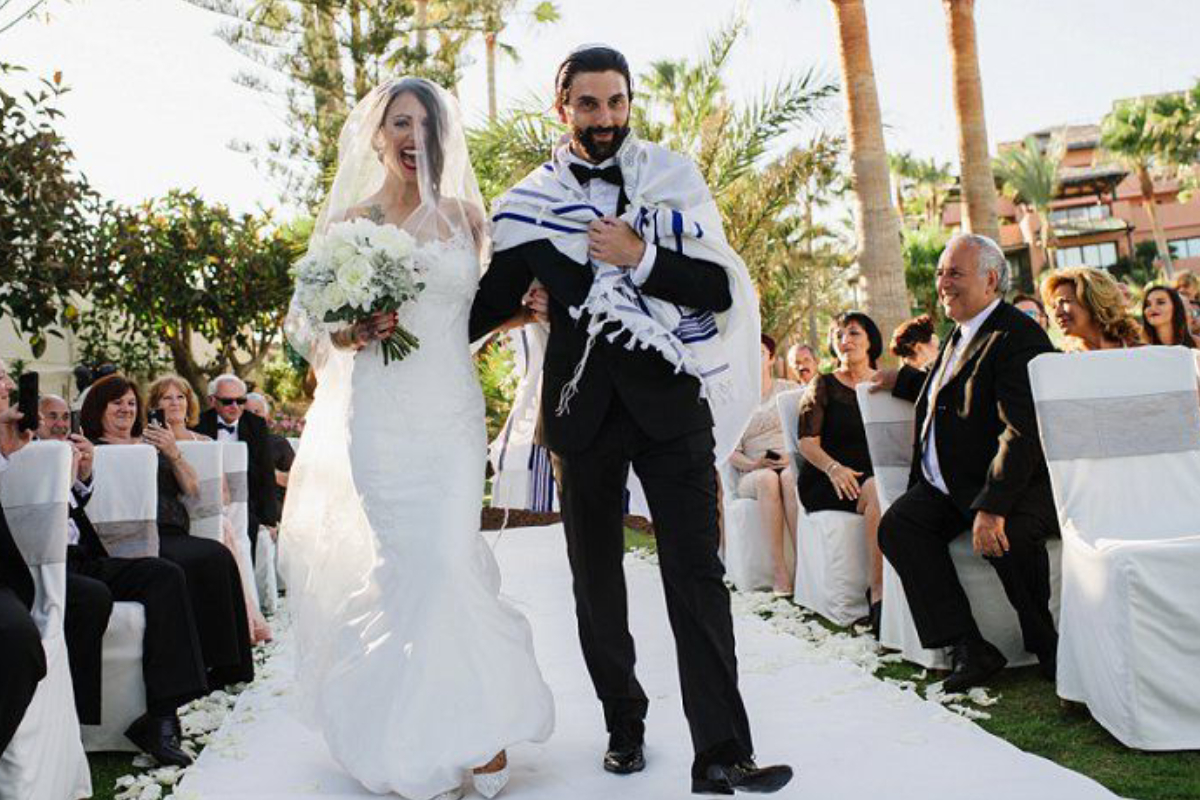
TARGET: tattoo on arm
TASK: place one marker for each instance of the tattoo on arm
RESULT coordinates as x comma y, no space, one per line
375,214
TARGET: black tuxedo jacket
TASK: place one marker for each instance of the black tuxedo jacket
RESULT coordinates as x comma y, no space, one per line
14,573
987,437
252,430
665,405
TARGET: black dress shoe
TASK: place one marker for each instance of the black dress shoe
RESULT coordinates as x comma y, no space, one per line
157,737
875,615
974,662
744,776
624,759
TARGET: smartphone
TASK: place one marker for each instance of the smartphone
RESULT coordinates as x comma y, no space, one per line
27,404
157,415
76,427
771,454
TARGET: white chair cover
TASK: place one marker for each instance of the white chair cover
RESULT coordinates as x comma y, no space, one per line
889,426
45,758
124,504
122,685
747,540
206,458
266,576
832,564
1121,431
236,462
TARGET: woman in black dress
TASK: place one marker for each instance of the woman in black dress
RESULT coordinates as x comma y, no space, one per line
836,474
113,414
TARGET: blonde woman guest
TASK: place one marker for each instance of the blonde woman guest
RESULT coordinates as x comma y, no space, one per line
174,397
765,474
1088,307
837,474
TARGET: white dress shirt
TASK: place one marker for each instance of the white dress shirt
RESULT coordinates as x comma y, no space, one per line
929,457
224,435
604,196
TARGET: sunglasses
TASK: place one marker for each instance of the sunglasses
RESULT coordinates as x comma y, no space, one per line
228,401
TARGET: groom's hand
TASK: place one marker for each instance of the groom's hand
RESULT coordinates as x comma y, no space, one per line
612,241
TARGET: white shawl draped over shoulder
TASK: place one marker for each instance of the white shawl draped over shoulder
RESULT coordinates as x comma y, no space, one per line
669,206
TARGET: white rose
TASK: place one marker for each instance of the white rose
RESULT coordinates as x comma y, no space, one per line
395,242
339,252
354,277
332,298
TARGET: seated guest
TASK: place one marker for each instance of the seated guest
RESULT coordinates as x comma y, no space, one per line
765,473
978,466
173,396
1187,283
113,415
282,454
1032,307
1165,317
915,343
802,364
1090,310
836,474
172,665
23,663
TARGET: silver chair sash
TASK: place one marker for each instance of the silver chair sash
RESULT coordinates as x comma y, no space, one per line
40,532
208,500
1119,427
239,488
890,443
135,538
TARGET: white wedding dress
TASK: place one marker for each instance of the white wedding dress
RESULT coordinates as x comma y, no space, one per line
414,668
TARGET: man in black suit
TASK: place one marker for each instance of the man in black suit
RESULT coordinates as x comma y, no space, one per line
227,421
172,663
977,465
632,407
22,659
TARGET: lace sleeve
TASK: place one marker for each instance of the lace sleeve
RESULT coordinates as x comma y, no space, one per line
812,407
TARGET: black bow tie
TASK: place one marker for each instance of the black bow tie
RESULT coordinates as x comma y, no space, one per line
229,428
584,174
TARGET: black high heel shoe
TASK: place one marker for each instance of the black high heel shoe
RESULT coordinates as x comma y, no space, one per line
874,615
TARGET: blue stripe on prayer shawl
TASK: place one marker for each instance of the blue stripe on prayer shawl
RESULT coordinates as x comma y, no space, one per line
655,218
568,209
699,230
531,221
677,229
532,193
717,371
548,166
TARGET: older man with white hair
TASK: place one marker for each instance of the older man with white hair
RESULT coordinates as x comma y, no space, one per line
226,421
978,466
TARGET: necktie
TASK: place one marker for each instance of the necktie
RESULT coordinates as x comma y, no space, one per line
948,361
584,174
227,428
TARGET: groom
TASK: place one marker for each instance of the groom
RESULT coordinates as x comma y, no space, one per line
632,374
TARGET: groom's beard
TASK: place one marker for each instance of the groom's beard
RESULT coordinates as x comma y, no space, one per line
599,151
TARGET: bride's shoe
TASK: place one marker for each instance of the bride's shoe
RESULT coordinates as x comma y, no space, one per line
490,783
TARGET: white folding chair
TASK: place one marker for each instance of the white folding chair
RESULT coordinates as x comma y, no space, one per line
747,541
204,511
124,511
235,463
45,758
889,426
832,564
1121,432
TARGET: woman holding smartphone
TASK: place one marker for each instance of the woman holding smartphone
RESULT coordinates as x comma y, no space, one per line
765,475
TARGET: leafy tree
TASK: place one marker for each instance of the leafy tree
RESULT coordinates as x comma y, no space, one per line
922,248
48,215
210,287
1129,134
1030,176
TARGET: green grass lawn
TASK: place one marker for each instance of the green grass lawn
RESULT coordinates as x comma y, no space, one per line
1029,715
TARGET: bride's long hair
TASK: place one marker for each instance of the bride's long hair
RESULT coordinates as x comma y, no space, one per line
325,550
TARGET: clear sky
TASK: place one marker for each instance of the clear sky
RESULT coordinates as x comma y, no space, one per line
152,105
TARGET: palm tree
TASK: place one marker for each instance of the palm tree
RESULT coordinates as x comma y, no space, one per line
493,17
1127,134
1030,176
876,224
978,184
903,166
931,179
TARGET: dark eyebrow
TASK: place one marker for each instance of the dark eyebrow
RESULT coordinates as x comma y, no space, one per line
617,96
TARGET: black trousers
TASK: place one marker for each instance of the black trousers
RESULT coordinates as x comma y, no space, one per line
22,663
172,662
89,606
915,535
679,478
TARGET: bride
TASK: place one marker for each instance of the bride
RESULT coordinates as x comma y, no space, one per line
410,664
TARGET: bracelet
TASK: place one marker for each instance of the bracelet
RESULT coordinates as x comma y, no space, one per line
832,466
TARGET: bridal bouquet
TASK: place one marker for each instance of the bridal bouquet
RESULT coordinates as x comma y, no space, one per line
359,268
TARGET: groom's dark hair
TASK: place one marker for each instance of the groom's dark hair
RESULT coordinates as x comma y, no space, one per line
591,58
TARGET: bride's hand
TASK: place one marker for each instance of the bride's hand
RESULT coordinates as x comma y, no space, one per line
375,327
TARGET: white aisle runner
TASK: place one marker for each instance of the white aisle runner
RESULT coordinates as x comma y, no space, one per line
847,734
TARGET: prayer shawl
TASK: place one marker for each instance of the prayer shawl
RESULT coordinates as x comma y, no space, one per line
669,206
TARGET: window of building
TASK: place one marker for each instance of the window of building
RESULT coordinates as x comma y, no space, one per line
1185,248
1080,213
1088,255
